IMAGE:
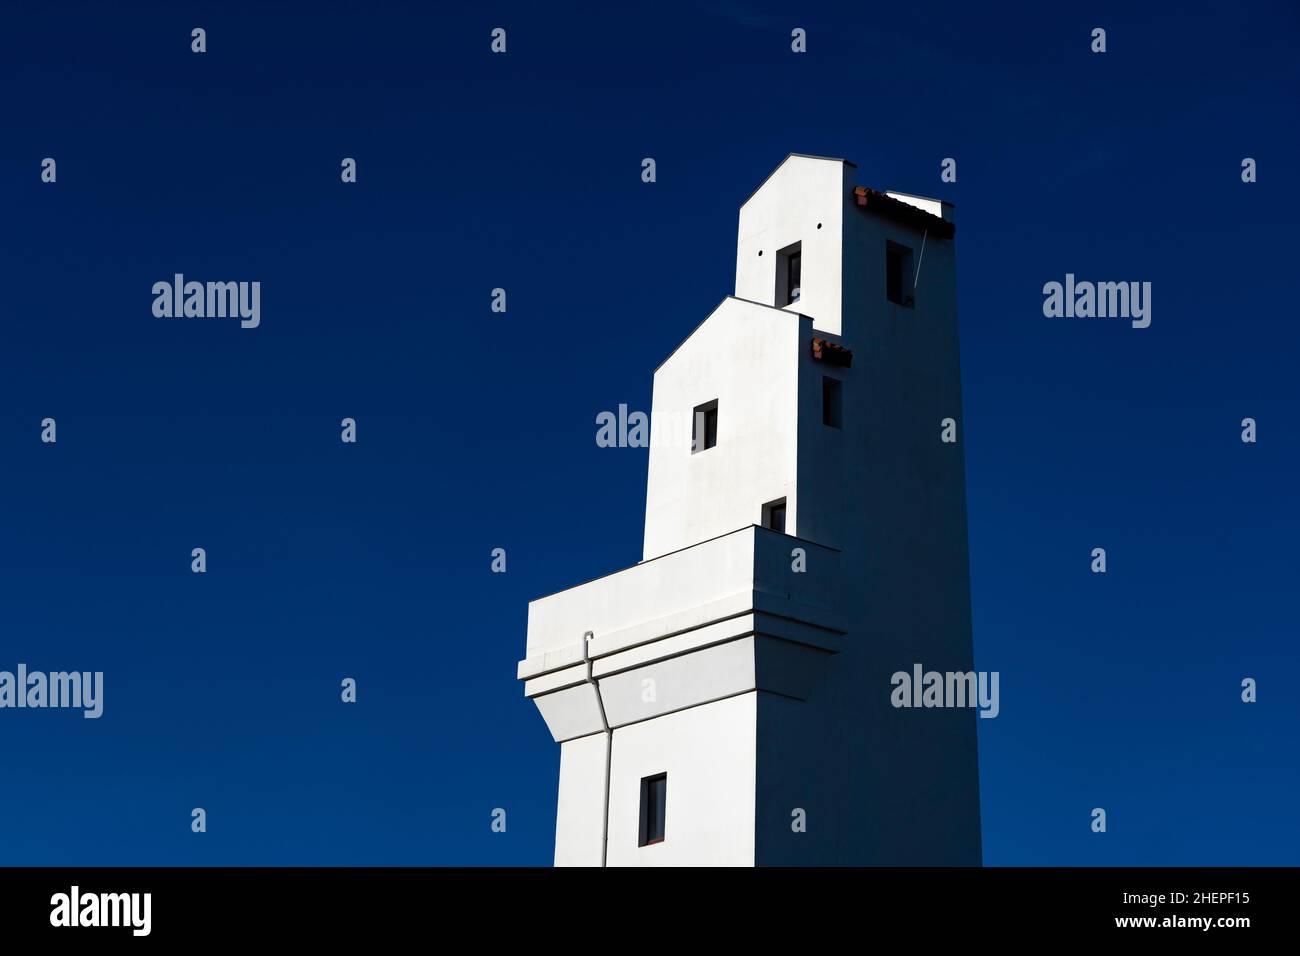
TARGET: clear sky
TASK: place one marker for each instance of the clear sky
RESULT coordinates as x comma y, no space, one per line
476,430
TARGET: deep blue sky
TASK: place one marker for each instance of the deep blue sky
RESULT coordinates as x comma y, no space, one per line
477,430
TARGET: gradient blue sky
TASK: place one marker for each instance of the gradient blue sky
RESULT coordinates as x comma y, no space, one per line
477,430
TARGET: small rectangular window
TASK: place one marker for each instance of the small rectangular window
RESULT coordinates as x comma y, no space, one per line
654,802
792,269
898,274
832,395
704,426
774,515
789,274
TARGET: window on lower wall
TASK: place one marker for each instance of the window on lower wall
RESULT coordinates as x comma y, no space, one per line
774,515
654,802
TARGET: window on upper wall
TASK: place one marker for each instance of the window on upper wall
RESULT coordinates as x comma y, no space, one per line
898,274
704,426
774,515
832,398
789,274
654,803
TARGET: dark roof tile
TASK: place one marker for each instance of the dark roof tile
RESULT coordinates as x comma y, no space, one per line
899,211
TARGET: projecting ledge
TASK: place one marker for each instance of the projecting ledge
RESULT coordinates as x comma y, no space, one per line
727,587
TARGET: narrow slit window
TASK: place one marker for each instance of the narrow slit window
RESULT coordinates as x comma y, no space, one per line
654,803
774,515
832,401
789,274
898,274
704,426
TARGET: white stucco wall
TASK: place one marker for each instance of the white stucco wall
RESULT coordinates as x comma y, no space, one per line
582,801
708,753
803,192
746,357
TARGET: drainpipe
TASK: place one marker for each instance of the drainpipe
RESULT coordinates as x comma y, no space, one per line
919,260
609,750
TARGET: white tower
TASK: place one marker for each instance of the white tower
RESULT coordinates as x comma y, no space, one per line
726,701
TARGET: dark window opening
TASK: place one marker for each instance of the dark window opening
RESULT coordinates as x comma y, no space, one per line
774,516
832,398
898,274
789,274
704,426
654,800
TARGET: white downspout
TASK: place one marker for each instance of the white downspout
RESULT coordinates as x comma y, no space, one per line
609,750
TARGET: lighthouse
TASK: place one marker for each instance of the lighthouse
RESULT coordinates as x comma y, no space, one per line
727,700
